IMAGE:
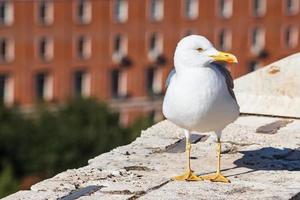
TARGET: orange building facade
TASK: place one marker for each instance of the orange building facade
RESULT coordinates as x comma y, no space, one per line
121,51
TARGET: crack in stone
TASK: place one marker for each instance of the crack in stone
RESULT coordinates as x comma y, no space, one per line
240,144
233,149
157,150
136,194
195,138
142,193
137,168
120,192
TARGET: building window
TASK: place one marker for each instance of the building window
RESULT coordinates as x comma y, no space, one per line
225,8
259,7
84,47
156,10
120,46
291,7
45,12
44,87
83,11
191,9
7,50
6,89
45,49
225,39
121,10
118,83
155,46
81,84
257,40
291,35
154,81
6,12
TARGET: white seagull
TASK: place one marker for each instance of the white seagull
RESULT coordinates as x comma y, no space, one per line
199,95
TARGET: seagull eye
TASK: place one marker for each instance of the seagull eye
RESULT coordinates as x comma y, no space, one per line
199,49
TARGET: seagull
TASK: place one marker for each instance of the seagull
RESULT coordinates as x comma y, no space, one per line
199,96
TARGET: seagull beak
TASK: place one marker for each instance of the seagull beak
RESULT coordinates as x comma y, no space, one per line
225,57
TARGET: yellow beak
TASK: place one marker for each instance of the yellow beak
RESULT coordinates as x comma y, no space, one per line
225,57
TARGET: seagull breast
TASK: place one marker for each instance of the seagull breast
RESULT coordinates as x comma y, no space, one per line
198,99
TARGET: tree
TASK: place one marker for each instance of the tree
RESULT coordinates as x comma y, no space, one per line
8,182
46,142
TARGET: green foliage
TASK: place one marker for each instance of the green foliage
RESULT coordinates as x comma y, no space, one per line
8,182
76,132
140,124
50,142
15,138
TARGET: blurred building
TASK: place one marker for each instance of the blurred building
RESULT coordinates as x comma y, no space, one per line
121,51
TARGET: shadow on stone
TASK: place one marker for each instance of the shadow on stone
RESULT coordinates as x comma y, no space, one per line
86,191
270,158
179,147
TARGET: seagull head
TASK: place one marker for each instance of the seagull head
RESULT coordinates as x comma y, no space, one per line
197,51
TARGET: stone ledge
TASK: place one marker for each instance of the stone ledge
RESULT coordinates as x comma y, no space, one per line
260,166
272,90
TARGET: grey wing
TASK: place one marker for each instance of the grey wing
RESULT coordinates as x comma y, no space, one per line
170,76
228,78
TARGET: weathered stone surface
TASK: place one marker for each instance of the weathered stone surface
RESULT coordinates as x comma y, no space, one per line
272,90
260,166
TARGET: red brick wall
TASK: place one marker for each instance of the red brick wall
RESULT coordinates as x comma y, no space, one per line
25,31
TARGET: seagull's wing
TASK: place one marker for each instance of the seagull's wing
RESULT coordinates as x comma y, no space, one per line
228,78
170,76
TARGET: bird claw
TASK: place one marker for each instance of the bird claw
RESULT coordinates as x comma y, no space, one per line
188,176
216,178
